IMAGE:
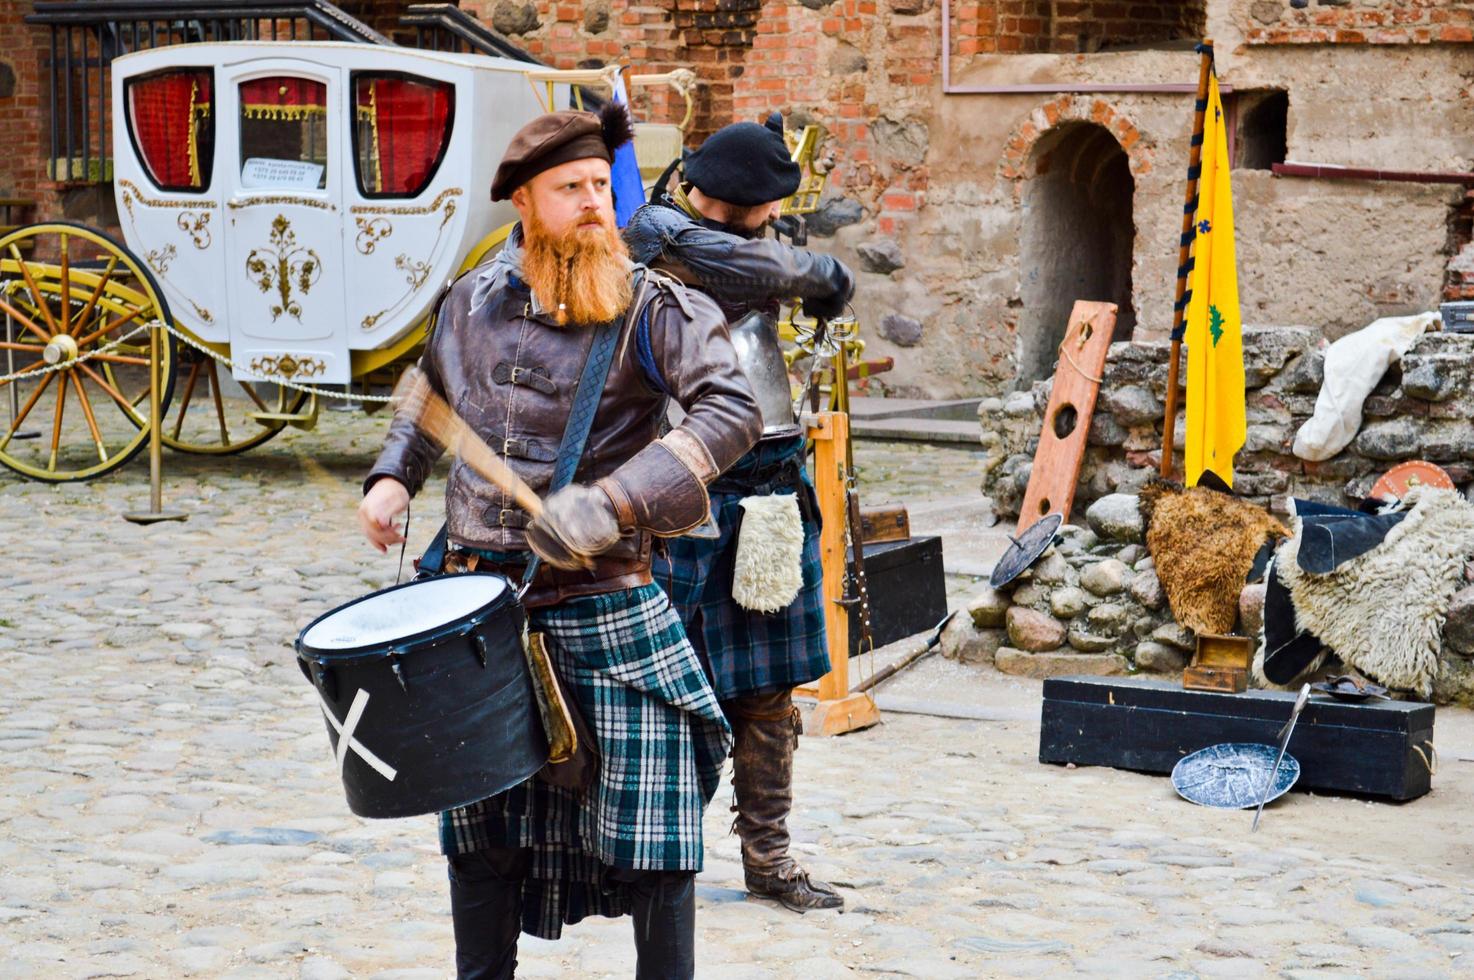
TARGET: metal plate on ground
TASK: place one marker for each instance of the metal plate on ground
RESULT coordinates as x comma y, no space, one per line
1231,776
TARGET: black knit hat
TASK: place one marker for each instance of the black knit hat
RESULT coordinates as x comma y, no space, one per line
745,164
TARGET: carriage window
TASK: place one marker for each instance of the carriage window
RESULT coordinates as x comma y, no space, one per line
172,127
284,133
403,126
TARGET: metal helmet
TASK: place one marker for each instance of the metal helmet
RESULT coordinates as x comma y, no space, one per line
756,338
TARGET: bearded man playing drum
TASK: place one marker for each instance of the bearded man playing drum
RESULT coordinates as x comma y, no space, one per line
709,233
507,354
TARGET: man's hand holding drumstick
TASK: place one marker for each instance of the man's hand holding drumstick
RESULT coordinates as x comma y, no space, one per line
567,530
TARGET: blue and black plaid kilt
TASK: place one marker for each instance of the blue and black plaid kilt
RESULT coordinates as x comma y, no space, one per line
662,740
748,652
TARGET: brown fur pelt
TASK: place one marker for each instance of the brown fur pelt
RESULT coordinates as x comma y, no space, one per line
1203,543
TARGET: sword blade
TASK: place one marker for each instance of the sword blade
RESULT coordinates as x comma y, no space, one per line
1285,734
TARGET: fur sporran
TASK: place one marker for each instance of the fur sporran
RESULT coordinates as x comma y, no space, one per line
768,570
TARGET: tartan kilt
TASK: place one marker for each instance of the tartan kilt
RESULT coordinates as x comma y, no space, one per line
662,740
747,652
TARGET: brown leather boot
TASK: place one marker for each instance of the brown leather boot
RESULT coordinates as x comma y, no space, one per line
766,727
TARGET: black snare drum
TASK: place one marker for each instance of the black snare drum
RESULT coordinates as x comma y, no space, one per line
426,694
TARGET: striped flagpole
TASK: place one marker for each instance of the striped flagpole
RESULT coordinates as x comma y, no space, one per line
1184,262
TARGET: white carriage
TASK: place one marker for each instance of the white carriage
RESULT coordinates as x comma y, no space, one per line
290,211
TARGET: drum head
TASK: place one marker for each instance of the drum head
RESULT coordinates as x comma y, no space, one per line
402,613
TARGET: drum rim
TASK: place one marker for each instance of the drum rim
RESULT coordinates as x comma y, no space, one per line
373,651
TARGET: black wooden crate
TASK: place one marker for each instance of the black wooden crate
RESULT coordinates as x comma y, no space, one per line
1146,725
908,592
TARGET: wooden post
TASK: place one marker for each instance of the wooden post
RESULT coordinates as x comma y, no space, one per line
839,710
1189,212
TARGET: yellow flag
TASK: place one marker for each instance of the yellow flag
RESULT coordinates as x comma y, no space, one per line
1214,332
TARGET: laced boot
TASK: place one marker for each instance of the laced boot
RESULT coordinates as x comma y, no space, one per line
766,727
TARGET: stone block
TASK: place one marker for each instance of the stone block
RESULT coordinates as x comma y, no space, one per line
1159,657
1268,349
1116,517
1042,665
988,608
1146,589
833,214
514,18
1133,405
1430,380
1395,439
1052,569
964,642
901,330
1106,578
1029,629
1086,642
881,255
1108,619
1176,635
1305,374
1105,431
1067,603
1458,628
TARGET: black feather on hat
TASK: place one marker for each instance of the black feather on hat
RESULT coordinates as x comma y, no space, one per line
617,130
557,138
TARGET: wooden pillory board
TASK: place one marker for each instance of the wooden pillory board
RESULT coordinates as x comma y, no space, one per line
1082,356
1377,748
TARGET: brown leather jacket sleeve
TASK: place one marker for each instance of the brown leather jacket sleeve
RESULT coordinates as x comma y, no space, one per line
662,488
408,455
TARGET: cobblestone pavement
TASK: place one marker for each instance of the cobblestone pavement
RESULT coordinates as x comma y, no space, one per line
169,807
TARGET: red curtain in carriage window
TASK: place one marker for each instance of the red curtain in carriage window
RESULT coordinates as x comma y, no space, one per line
169,115
408,127
282,97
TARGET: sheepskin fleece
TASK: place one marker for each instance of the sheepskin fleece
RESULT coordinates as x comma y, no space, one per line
1383,612
1203,543
768,567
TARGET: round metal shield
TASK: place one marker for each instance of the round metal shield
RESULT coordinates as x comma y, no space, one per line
1025,550
1231,776
1396,482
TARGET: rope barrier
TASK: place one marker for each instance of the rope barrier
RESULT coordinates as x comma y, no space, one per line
309,389
64,365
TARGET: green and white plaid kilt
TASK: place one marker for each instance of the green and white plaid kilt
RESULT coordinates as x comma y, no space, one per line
662,740
747,652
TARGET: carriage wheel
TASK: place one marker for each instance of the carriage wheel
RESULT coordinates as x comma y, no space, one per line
209,414
74,304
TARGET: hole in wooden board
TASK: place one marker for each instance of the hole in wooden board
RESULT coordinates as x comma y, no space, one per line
1044,506
1065,420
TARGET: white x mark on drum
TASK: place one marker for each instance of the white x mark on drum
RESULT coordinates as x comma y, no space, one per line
346,740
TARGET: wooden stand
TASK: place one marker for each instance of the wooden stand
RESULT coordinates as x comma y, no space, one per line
839,710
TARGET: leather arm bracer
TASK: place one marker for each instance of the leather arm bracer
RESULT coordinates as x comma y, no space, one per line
662,488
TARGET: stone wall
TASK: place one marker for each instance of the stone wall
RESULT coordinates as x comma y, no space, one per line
1090,605
1422,409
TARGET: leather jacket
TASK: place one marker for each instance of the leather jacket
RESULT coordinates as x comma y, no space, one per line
510,372
740,272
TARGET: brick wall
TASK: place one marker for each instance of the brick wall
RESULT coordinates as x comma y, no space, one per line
22,106
1070,26
1338,22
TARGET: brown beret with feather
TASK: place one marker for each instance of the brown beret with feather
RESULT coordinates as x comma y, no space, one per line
559,137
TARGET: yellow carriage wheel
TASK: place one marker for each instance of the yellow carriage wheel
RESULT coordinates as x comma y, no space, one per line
74,305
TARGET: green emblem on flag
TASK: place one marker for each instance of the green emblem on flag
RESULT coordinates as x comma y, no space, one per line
1215,324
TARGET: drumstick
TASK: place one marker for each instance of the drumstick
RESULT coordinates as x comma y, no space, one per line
429,413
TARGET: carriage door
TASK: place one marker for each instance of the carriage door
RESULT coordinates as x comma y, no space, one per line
169,197
284,272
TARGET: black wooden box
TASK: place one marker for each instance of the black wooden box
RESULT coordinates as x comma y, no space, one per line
908,592
1146,725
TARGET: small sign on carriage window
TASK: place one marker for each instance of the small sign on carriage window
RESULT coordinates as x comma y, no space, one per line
265,172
